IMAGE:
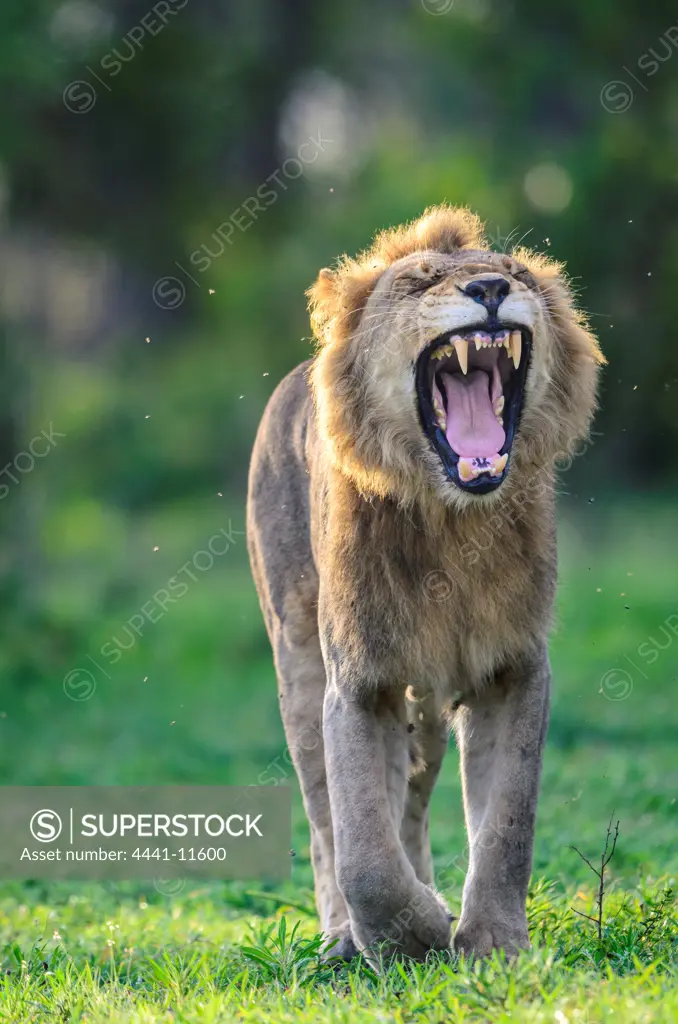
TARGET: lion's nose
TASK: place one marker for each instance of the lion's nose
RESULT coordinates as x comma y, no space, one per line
489,291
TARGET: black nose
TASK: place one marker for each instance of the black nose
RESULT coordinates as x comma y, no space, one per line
489,291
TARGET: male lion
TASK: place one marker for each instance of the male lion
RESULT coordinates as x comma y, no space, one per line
402,537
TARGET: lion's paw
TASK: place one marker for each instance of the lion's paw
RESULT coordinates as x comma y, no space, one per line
338,943
480,938
410,928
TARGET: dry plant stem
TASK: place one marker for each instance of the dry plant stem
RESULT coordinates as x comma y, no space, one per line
605,858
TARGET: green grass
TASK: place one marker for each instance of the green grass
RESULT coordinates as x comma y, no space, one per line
200,958
207,714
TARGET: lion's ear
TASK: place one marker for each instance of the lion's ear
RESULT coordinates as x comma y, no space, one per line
338,297
322,302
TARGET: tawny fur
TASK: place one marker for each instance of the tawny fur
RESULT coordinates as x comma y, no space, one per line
396,603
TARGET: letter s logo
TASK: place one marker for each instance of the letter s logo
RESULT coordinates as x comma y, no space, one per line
46,826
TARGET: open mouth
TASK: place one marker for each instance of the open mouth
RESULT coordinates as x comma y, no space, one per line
470,387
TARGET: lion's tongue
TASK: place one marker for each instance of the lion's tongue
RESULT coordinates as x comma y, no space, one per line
472,428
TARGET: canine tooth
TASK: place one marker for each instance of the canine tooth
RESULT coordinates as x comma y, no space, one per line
466,470
516,348
461,346
499,464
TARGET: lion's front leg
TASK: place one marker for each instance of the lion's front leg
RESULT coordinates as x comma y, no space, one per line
366,751
501,735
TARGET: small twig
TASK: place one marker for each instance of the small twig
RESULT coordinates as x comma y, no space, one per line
605,858
587,916
586,860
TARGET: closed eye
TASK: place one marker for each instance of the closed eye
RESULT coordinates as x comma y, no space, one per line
409,284
526,278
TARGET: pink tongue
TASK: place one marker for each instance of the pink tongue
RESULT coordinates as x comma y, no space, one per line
472,428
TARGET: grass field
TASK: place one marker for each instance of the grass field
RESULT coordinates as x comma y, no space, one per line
194,701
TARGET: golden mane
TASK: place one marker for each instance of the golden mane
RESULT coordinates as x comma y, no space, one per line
339,295
375,450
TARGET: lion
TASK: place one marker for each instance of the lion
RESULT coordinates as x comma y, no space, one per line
401,530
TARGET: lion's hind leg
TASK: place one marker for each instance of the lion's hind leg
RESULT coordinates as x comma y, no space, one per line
428,734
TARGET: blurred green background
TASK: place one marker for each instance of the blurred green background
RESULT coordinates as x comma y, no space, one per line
163,207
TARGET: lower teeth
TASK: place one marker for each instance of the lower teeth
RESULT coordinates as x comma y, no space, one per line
469,469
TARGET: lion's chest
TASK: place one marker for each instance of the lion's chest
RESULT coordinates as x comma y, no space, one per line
471,631
472,616
419,605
